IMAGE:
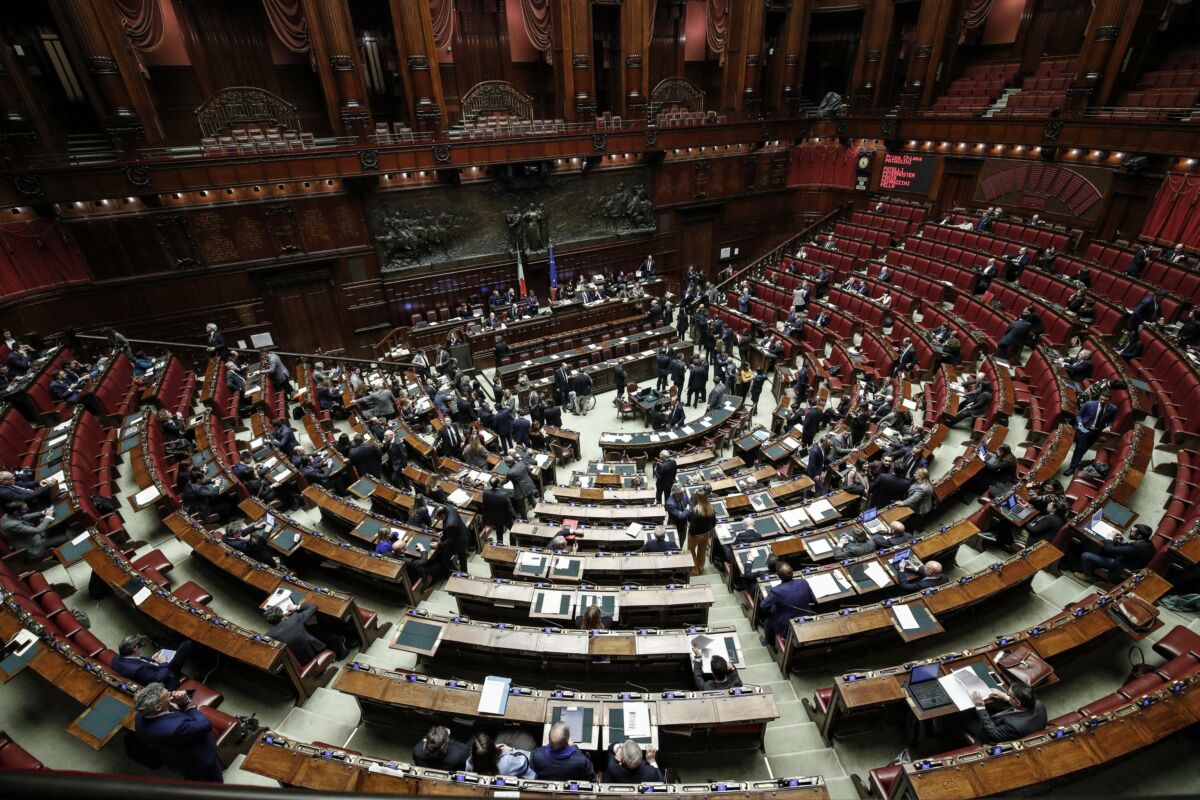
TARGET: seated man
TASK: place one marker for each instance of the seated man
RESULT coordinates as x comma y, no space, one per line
723,675
63,389
896,535
1022,715
27,489
26,530
628,764
157,668
914,579
789,599
1120,555
560,760
249,539
288,626
438,751
855,543
180,735
658,543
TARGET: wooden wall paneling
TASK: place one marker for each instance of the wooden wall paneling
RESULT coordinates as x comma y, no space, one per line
226,41
922,69
418,58
666,55
868,63
19,99
114,82
574,81
697,236
335,54
1126,205
784,86
743,58
636,30
1105,42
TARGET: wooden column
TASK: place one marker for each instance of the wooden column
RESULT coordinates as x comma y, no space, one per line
114,81
336,55
574,84
636,28
418,57
868,64
928,49
784,92
1104,43
743,57
24,112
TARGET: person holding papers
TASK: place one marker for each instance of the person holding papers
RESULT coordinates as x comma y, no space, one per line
855,543
524,489
790,598
560,760
1022,715
914,579
1119,555
164,667
628,764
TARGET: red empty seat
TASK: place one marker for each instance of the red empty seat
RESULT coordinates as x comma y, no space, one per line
1140,686
1178,642
13,756
154,560
203,696
193,594
823,698
1104,705
87,641
883,780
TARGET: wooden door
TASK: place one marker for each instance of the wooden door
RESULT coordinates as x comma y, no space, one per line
696,244
305,309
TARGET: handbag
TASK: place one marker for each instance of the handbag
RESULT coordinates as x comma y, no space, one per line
1024,665
1135,613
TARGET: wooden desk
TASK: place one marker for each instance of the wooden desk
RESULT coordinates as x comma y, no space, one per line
601,568
308,767
687,720
650,443
589,537
500,600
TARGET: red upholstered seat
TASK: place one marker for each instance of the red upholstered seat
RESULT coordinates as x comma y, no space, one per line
883,780
204,697
193,594
1103,705
222,724
1179,641
1065,720
13,756
823,698
1143,685
316,668
87,642
154,560
1180,667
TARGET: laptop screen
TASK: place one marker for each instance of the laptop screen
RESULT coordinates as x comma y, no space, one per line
925,672
870,514
983,451
1012,501
901,555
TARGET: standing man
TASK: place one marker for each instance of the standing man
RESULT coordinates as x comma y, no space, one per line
678,511
697,382
498,511
790,598
665,469
280,378
562,383
524,489
1093,417
662,368
818,456
216,342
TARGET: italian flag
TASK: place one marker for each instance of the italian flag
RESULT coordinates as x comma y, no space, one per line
520,274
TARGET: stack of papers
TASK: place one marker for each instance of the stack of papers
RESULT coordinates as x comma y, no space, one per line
1104,530
818,546
904,616
793,517
281,598
827,584
961,684
146,496
494,697
637,720
459,497
878,575
821,509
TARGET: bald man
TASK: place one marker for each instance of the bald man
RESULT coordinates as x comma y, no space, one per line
926,577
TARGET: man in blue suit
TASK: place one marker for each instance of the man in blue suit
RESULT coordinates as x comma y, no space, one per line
678,509
817,455
502,424
520,431
1093,417
789,599
181,735
1148,310
130,663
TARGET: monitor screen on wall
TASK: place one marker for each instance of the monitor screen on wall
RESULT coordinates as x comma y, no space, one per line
907,172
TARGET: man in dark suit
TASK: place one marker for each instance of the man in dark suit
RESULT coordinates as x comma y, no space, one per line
907,359
288,626
723,675
454,535
63,389
1016,264
366,457
886,488
1149,309
926,576
677,416
1120,555
181,735
520,430
397,454
1137,264
817,457
216,342
662,368
1080,368
130,663
679,510
283,437
678,374
974,403
789,599
1093,417
525,491
664,475
450,441
562,383
813,418
1022,715
553,416
1013,340
697,383
658,543
498,511
502,425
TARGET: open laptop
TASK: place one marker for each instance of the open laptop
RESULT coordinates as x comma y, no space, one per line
1018,510
925,688
871,522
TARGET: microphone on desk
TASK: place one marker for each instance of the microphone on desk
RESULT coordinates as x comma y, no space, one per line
642,689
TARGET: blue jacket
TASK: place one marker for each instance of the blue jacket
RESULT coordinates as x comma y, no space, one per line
1148,309
816,461
570,763
677,509
520,431
145,670
503,422
1087,416
789,599
185,741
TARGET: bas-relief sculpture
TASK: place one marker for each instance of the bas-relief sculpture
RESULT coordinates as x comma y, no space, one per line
452,225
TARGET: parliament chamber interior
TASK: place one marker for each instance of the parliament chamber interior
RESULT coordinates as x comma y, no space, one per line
780,399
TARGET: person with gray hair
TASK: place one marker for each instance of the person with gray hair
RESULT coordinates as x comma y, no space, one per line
167,724
628,764
159,668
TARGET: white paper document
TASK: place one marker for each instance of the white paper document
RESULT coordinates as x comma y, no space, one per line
818,546
878,575
904,616
147,496
793,517
826,584
637,720
633,530
459,498
821,509
141,595
1104,530
281,597
961,684
494,697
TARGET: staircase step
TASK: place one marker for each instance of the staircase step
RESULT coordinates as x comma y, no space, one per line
821,762
308,727
798,737
335,705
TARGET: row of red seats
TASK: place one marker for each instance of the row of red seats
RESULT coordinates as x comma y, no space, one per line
987,320
923,258
1176,384
805,268
116,394
13,756
1025,102
1181,646
93,461
858,308
913,282
835,261
913,213
1159,98
895,225
855,248
1121,289
1170,79
1032,236
839,367
175,389
1040,392
879,357
862,233
20,441
934,317
1104,367
1108,316
1059,83
224,401
981,242
1059,327
41,403
1172,277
